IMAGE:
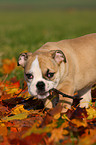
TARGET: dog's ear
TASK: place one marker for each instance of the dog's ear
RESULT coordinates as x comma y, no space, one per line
58,56
23,58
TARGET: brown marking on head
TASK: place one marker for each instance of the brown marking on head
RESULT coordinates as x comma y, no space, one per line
47,63
47,60
23,57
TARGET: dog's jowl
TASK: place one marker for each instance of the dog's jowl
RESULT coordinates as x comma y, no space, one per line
67,65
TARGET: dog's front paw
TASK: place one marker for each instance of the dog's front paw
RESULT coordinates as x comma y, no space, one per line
65,108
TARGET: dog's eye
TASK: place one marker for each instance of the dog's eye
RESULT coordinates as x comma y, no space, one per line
29,76
49,74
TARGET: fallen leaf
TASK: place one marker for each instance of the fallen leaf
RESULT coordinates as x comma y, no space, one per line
64,116
89,139
9,65
3,129
19,109
56,135
13,129
57,116
3,110
91,113
35,129
33,139
79,123
15,117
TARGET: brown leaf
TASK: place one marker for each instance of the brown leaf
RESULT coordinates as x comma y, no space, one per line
34,139
79,113
3,110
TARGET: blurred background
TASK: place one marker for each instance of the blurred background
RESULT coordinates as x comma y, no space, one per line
25,25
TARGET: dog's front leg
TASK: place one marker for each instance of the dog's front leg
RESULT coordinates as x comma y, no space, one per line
86,98
65,101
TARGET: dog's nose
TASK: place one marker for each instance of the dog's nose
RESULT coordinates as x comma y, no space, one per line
40,85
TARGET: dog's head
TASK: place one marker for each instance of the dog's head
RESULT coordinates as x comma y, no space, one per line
42,71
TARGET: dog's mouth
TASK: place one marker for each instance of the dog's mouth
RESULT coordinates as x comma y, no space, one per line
42,95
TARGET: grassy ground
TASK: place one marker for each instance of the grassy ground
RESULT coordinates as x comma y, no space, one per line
21,31
27,31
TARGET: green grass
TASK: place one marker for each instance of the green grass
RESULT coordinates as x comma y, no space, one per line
21,31
52,4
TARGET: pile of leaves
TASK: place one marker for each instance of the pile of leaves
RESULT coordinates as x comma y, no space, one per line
24,120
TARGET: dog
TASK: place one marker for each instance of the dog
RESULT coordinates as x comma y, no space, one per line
68,65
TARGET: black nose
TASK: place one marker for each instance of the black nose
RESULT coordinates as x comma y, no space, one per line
40,86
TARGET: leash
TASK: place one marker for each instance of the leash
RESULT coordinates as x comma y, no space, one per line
64,95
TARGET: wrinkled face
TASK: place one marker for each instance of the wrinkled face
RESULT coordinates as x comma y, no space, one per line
41,76
41,71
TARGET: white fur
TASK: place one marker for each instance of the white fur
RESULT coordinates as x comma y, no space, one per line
37,76
86,101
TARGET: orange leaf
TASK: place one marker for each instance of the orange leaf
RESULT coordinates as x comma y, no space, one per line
79,123
9,65
57,134
3,129
13,129
89,139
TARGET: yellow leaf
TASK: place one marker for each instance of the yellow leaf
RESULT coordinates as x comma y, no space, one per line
35,129
88,139
65,117
19,109
79,122
91,113
65,124
57,116
3,130
65,132
12,91
15,117
56,135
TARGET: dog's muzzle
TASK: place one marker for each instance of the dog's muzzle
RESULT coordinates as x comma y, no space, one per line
40,87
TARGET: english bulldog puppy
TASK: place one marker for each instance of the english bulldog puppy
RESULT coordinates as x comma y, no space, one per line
68,65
